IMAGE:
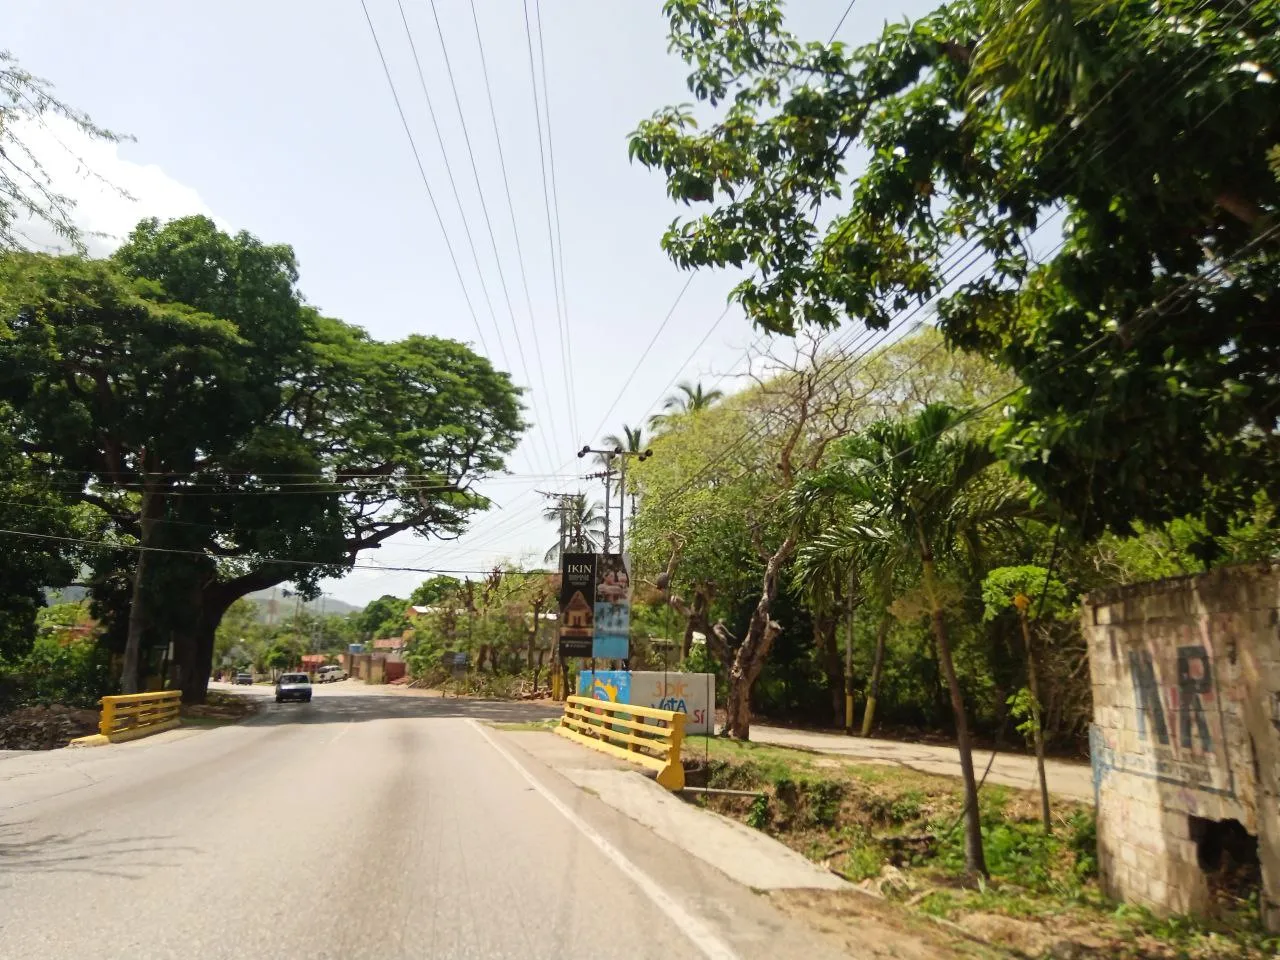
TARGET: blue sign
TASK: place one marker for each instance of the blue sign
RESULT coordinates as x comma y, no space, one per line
612,640
611,685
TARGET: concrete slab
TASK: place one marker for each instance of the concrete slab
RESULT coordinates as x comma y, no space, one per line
747,856
559,753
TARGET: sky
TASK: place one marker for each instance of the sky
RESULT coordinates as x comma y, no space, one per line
276,117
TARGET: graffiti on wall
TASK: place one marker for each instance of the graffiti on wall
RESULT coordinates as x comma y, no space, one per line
1175,732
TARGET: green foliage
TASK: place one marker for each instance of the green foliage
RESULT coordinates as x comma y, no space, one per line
823,802
689,398
758,815
381,617
1019,853
434,590
1047,595
52,672
1143,342
1024,708
1082,838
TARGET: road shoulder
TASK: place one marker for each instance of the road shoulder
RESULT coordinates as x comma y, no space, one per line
757,893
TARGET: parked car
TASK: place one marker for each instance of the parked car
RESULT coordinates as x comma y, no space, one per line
244,678
293,686
330,673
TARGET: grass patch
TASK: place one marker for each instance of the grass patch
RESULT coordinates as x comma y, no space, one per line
549,724
898,832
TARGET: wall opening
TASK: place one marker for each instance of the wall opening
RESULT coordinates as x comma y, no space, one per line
1228,855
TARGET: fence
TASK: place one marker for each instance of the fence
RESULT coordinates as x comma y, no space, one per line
134,715
620,730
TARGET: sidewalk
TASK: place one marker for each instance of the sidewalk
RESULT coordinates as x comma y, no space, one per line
1072,780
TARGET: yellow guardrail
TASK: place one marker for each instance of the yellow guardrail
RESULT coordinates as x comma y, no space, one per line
133,715
620,730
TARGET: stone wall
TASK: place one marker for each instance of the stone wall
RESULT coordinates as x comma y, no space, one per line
1186,732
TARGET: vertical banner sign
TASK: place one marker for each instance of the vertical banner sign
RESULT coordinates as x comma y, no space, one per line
613,608
577,604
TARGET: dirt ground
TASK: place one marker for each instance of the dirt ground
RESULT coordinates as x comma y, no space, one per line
873,928
45,728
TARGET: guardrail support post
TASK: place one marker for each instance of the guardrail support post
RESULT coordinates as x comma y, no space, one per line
672,775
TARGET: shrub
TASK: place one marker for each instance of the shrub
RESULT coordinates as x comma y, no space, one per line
77,674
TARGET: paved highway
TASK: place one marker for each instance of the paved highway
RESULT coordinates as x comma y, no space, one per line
359,825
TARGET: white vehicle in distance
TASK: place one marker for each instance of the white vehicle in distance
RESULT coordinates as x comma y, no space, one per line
330,673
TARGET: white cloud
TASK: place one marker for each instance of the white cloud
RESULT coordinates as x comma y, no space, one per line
93,174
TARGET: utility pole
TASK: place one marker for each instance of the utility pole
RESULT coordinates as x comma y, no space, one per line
622,486
565,533
607,475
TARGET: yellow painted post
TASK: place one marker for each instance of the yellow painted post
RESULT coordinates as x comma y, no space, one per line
672,775
108,719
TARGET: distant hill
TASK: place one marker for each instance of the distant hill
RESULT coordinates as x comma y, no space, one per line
262,599
285,605
65,595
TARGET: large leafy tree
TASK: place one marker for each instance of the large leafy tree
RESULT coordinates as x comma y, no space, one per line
1146,342
122,389
434,590
251,440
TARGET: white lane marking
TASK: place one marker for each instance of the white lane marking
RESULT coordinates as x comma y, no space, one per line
701,935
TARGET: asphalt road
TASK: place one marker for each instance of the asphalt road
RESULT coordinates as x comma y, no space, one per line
359,825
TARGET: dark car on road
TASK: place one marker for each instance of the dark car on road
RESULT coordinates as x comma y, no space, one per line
244,678
293,686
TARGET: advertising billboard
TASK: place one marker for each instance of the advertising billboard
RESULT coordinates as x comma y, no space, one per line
577,604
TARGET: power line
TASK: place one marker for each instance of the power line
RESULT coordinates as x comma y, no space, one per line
555,205
840,22
565,354
636,366
515,231
488,223
423,174
109,545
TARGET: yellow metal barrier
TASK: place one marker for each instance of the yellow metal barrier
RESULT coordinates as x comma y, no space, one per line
620,730
134,715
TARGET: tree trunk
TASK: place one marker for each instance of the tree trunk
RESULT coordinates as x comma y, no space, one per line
873,691
752,653
826,640
974,859
1033,684
697,616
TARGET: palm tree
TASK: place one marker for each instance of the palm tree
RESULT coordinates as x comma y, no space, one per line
688,398
583,525
631,441
914,494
